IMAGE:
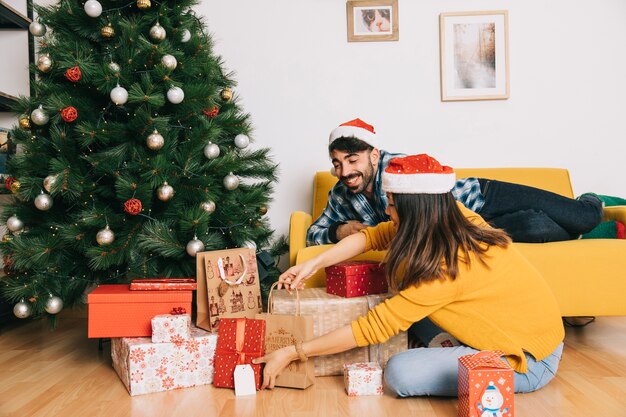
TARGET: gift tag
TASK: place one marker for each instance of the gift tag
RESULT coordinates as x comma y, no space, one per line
244,380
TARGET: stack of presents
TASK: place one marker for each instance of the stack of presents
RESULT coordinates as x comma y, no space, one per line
156,347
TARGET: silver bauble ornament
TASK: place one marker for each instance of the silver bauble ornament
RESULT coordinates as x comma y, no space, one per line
49,181
186,36
175,95
211,151
169,61
37,29
165,192
157,32
39,116
249,244
155,141
231,182
242,141
119,95
114,67
43,202
14,224
54,305
93,8
194,246
105,236
22,310
44,63
208,206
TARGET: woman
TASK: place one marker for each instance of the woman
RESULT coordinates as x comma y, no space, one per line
446,264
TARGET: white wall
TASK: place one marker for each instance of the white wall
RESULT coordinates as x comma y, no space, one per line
299,78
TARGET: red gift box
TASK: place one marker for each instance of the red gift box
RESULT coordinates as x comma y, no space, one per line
163,284
486,385
238,342
116,311
356,278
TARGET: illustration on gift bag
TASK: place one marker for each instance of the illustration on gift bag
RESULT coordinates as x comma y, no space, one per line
491,402
228,286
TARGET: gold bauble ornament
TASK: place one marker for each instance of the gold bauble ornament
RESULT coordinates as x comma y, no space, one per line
263,210
44,63
227,94
15,186
144,4
6,238
25,123
107,31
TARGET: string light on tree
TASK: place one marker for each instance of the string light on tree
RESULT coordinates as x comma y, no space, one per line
22,310
242,141
44,202
157,32
155,141
54,304
175,95
169,61
165,192
39,116
105,236
211,151
36,28
231,182
119,95
194,246
44,63
93,8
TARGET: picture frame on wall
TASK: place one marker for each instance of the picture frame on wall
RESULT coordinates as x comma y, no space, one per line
372,20
474,48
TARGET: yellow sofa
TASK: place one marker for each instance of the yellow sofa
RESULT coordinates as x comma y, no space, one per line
588,277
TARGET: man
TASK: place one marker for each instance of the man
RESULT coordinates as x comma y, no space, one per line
357,201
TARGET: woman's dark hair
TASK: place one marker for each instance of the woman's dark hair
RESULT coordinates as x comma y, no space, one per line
431,234
350,145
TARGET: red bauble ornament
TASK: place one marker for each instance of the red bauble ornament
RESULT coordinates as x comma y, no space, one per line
73,74
132,206
178,310
69,114
8,182
211,112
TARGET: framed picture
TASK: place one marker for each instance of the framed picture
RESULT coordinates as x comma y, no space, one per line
372,20
474,55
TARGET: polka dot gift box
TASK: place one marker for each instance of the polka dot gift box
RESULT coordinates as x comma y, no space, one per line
239,341
175,328
485,386
356,278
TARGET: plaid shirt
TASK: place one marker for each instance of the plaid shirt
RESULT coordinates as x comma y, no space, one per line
343,206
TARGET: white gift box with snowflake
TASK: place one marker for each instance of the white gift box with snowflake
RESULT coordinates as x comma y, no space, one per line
363,379
146,367
174,328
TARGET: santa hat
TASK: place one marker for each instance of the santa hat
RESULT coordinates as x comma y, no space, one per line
418,174
357,129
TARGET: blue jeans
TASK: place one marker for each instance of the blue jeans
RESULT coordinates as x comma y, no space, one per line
533,215
434,371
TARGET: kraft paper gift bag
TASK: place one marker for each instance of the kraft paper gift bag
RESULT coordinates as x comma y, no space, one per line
284,330
228,286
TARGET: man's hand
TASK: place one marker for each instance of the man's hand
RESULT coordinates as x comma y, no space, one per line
351,227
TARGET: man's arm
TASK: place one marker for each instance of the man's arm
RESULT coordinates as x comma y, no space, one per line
329,226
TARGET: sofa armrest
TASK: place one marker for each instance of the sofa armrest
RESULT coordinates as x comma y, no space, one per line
615,213
299,223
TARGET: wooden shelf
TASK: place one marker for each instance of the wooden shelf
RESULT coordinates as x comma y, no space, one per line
11,18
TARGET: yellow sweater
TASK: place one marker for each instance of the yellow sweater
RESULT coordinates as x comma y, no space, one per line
505,305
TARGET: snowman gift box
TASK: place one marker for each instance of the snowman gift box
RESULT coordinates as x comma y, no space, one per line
485,386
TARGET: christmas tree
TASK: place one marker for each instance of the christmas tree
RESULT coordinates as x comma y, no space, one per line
134,154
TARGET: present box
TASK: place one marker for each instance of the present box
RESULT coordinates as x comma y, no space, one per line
171,328
163,284
115,311
363,379
486,385
356,278
331,312
146,367
239,341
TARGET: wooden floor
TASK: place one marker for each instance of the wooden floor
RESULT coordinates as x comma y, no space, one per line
61,373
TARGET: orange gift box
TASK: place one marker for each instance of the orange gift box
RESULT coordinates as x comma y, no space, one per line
486,385
116,311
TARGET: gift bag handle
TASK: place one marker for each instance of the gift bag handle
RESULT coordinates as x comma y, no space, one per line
270,300
238,280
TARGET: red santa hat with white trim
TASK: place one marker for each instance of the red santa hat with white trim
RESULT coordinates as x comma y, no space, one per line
417,174
357,129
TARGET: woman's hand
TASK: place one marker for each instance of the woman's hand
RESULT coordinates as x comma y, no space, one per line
294,277
275,362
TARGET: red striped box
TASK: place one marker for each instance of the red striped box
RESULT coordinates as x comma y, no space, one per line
116,311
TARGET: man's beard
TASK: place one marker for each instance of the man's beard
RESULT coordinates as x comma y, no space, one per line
366,179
